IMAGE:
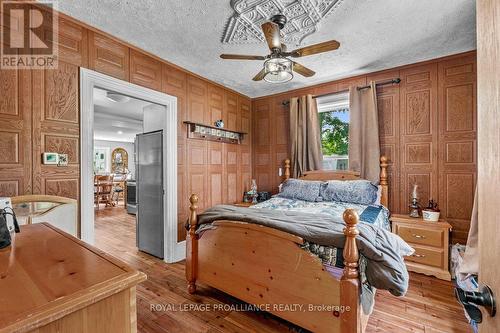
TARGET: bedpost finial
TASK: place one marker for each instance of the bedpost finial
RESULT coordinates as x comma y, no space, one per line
351,217
351,254
384,180
287,169
193,199
193,219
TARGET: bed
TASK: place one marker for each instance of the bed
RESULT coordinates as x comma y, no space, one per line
270,268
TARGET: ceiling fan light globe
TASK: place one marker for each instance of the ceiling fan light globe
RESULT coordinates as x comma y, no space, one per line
278,70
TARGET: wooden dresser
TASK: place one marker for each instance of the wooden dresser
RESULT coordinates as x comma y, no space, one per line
430,241
53,282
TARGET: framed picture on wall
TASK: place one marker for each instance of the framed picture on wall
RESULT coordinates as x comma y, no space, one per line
101,156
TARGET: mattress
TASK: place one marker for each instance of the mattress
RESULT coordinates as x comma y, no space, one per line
331,256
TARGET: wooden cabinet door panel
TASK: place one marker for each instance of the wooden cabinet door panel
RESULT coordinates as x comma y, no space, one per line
231,111
197,171
231,194
73,43
108,56
215,103
245,119
56,129
72,40
419,133
197,100
15,133
457,142
215,174
182,188
174,82
245,169
389,114
262,165
145,71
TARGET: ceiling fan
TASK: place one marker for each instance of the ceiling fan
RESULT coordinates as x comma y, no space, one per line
277,66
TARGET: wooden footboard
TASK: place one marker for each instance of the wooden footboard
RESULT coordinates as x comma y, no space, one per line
267,268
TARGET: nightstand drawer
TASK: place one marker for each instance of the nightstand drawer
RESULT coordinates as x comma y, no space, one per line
417,235
427,256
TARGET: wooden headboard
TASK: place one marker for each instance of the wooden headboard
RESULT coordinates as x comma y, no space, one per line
346,175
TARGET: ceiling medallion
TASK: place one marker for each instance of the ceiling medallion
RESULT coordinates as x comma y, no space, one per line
303,19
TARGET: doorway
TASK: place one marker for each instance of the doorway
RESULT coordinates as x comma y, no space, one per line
163,117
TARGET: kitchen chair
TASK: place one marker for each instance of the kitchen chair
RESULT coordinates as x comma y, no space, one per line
119,187
103,190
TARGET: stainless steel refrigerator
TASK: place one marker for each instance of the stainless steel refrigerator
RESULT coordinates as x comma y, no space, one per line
149,186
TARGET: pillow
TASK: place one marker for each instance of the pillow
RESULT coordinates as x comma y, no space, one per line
379,196
353,191
306,190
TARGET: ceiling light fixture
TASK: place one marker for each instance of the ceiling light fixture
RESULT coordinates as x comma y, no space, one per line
278,70
277,66
119,132
117,98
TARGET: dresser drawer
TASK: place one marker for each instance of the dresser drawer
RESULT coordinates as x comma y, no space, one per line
427,256
416,235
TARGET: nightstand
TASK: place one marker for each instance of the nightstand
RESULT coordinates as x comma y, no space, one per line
243,204
430,241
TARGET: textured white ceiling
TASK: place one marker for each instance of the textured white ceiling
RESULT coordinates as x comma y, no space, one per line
374,35
117,121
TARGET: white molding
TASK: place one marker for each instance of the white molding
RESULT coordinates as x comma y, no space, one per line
173,250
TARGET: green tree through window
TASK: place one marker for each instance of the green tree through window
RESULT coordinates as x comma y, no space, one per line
334,134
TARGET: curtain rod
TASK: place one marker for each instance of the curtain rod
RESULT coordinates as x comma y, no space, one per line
393,81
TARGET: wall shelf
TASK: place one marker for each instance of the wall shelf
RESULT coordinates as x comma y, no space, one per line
212,133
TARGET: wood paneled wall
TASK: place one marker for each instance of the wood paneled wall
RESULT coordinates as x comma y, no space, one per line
427,126
39,111
427,129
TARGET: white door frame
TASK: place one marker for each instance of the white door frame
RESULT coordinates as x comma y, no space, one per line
173,250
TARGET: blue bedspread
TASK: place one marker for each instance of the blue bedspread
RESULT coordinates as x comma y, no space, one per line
374,214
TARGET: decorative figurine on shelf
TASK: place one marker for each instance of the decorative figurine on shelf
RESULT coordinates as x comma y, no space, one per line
253,191
219,123
431,212
414,206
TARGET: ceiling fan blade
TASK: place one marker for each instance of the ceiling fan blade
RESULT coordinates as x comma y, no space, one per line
260,75
272,33
315,49
242,57
302,70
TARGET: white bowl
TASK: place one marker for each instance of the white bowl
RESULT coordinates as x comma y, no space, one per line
431,216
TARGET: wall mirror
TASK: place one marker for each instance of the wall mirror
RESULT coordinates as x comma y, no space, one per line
119,161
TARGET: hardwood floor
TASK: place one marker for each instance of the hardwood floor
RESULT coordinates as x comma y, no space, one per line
429,305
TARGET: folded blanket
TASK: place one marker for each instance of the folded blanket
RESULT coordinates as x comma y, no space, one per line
383,249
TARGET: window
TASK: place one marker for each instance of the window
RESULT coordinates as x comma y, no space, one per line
334,125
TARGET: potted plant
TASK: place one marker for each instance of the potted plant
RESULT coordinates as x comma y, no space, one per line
431,212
